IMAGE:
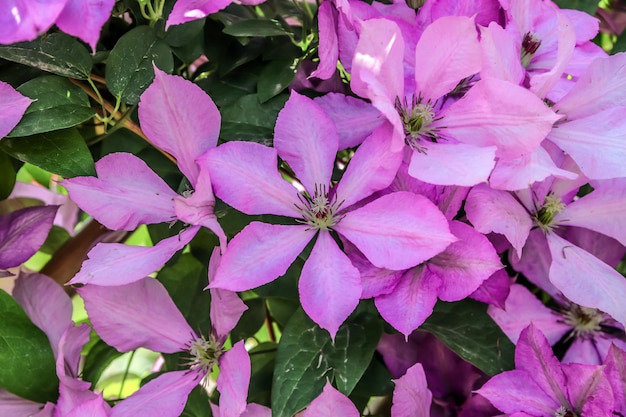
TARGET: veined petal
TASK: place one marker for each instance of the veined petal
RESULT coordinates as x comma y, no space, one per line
259,254
447,52
180,118
118,264
588,384
84,19
398,230
329,286
411,397
306,138
12,405
586,280
139,314
328,50
233,380
245,176
616,374
12,107
331,403
500,54
187,10
120,204
95,407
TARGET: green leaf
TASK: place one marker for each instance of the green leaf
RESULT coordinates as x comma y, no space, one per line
58,104
587,6
466,328
307,357
256,27
275,77
97,360
249,119
197,404
56,238
26,358
62,152
129,67
262,359
57,53
7,176
251,320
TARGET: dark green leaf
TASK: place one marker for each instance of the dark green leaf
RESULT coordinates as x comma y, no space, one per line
248,119
620,44
262,358
129,67
7,176
61,152
186,40
97,360
275,77
307,357
26,358
56,238
587,6
376,380
466,328
57,53
58,104
256,27
197,404
282,309
251,320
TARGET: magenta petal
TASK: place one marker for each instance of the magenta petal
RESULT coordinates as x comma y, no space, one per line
398,230
164,396
12,108
233,380
616,374
329,286
84,19
328,50
494,290
24,20
256,410
259,254
245,176
331,403
180,118
46,304
139,314
447,52
187,10
118,264
570,272
306,138
411,397
588,384
416,292
95,407
12,405
70,348
22,232
120,204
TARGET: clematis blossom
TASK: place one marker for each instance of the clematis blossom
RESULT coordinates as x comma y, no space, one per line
395,231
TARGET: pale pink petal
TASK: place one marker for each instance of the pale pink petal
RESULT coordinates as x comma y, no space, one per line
187,10
328,49
398,230
306,138
84,19
226,306
12,108
259,254
584,350
447,52
605,248
12,405
139,314
180,118
331,403
233,380
256,410
499,113
586,280
95,407
329,286
70,348
164,396
46,304
453,164
24,20
465,264
372,168
416,292
411,397
118,264
500,54
120,204
245,176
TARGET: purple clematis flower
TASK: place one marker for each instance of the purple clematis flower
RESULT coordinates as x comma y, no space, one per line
396,231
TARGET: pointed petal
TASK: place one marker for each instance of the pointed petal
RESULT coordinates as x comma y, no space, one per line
588,383
306,138
187,10
164,396
24,20
245,176
70,347
411,397
84,19
372,168
116,202
256,410
616,373
22,232
500,54
331,403
12,108
139,314
95,407
233,380
12,405
398,230
329,286
451,46
453,164
416,292
328,49
497,211
570,272
259,254
118,264
180,118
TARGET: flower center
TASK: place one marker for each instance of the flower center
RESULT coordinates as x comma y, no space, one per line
563,412
585,321
545,215
416,118
319,211
204,353
530,44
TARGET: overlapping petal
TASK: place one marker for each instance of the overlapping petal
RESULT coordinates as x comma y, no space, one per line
331,403
411,397
24,20
12,105
233,380
84,19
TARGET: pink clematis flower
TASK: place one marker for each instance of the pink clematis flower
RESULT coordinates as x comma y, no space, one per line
396,231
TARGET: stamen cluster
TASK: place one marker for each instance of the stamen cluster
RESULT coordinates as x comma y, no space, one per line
319,211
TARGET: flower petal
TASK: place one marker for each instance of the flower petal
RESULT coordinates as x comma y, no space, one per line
25,20
12,107
233,380
187,10
84,19
331,403
411,397
500,54
328,50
